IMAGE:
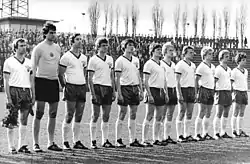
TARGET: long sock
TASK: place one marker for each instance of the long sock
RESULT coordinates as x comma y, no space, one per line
10,137
233,123
145,128
22,135
156,130
187,124
118,126
205,125
65,131
179,128
167,129
105,131
92,130
215,125
240,121
131,129
223,125
198,122
76,128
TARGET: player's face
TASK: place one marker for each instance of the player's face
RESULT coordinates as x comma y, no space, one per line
78,42
51,36
209,55
21,48
169,52
157,52
103,48
225,58
130,47
190,54
243,62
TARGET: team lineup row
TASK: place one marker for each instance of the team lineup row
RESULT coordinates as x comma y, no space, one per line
36,81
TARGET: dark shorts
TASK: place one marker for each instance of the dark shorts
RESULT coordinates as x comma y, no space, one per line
158,95
240,97
205,96
74,92
46,90
188,94
21,98
103,95
223,98
172,96
130,95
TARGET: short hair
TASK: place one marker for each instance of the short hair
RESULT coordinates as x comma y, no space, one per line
239,57
125,42
99,41
185,48
166,46
153,46
16,41
72,37
222,53
205,50
47,27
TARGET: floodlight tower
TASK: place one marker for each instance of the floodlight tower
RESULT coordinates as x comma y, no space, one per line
15,8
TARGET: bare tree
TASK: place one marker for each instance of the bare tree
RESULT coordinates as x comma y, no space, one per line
214,16
176,15
106,12
226,16
117,16
158,18
126,19
237,23
219,26
184,21
111,19
134,17
242,21
203,22
196,19
94,15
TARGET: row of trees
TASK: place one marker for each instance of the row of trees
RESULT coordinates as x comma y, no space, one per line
131,13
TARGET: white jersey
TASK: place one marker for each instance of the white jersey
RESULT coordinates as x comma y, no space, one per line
187,72
129,70
102,69
169,73
48,57
206,73
223,76
156,72
240,79
74,67
19,72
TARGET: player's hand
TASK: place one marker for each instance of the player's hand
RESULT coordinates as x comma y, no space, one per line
150,99
33,101
94,98
9,102
120,98
196,98
141,95
113,96
180,99
166,98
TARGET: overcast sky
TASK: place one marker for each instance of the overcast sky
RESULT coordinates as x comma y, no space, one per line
70,12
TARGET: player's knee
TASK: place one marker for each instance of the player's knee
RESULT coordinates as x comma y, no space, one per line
95,116
149,117
208,114
132,115
53,114
39,115
24,121
169,117
105,117
189,116
69,117
158,118
122,116
78,118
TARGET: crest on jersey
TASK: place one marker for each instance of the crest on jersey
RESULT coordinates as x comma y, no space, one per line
28,68
51,54
110,65
136,64
83,63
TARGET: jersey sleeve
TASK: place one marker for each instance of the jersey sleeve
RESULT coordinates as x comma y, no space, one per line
178,68
91,65
118,65
233,75
217,73
199,70
64,61
35,56
6,67
85,59
147,68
